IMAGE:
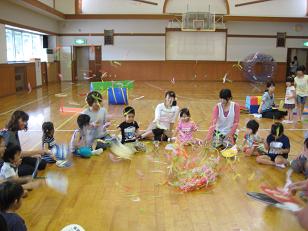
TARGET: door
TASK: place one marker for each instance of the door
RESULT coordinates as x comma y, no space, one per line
82,62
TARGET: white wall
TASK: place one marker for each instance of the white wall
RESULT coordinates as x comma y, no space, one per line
125,47
267,28
120,7
17,14
3,56
275,8
65,6
239,48
182,6
47,2
195,46
119,26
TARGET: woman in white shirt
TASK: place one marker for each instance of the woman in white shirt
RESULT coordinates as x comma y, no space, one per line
165,117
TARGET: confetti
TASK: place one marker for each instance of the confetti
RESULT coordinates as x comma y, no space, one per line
61,95
238,66
225,79
141,97
135,199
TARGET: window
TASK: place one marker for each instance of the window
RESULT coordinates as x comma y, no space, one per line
24,45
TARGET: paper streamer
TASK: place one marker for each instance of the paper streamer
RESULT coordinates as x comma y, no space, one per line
57,181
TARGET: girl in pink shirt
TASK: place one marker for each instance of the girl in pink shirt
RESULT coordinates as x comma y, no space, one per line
186,127
225,119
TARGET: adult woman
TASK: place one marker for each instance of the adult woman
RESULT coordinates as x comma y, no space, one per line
225,119
267,106
301,89
19,122
165,117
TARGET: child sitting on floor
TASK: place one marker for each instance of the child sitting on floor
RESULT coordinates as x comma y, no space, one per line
10,200
278,146
83,138
300,164
185,129
48,141
130,130
9,170
98,117
253,143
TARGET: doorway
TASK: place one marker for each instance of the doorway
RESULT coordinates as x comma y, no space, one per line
86,63
296,57
82,62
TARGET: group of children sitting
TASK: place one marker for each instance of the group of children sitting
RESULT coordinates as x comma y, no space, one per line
92,138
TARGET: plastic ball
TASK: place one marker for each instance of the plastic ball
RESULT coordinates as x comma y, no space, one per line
265,63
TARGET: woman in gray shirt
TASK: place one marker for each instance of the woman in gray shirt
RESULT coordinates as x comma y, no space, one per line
268,103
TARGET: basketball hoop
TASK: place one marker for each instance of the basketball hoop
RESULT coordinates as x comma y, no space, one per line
198,21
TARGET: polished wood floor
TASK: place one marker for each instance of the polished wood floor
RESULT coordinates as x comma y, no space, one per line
131,195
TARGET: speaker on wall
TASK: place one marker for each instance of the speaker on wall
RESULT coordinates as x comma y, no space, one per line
45,41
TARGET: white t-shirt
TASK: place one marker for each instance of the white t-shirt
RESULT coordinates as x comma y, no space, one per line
165,116
7,171
100,116
301,86
289,92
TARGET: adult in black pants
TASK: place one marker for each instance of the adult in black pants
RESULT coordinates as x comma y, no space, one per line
268,103
18,122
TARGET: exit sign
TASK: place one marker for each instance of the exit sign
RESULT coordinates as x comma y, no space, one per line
305,44
80,41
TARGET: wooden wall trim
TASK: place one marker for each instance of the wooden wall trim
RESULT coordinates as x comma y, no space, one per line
78,6
263,36
42,6
165,6
115,34
252,2
179,16
183,70
228,18
250,36
180,30
123,16
227,7
26,27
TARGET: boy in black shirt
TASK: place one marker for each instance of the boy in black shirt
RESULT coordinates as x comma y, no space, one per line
130,130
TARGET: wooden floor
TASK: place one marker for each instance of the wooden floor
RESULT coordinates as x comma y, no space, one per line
104,195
